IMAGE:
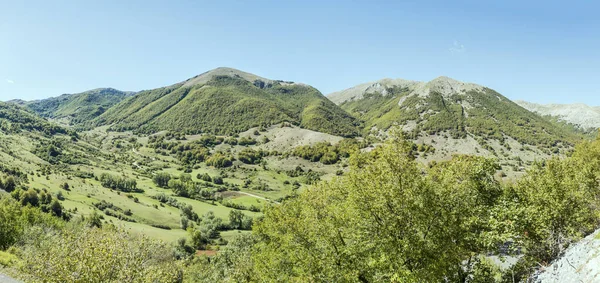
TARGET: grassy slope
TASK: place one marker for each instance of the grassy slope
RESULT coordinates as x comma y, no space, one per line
79,107
227,105
100,152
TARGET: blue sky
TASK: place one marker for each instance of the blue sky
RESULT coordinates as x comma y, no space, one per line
541,51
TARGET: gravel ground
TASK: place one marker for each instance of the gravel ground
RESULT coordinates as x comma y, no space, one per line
580,263
6,279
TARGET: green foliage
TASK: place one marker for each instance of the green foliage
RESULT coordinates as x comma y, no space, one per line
238,220
15,219
189,153
40,199
382,110
80,254
244,141
233,263
555,204
204,177
405,226
250,156
119,183
80,108
326,153
322,151
218,180
227,105
391,220
161,179
112,210
9,184
207,231
7,259
14,119
220,160
184,187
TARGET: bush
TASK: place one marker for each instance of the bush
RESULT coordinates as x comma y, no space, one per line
217,180
81,254
219,160
250,156
204,177
161,179
119,183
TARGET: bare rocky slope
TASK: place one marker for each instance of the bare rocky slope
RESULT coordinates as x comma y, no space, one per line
580,263
582,115
444,85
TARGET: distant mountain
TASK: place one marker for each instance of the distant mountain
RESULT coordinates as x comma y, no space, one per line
450,107
581,115
78,107
227,101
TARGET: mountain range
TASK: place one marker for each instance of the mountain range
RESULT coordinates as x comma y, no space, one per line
199,162
227,101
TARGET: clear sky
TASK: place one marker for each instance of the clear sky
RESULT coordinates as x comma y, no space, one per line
541,51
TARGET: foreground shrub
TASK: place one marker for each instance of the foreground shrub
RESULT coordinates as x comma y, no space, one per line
81,254
386,221
15,219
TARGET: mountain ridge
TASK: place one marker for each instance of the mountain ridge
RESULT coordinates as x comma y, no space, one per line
442,84
76,107
580,114
227,101
448,105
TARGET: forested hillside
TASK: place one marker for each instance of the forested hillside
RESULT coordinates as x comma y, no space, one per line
14,119
225,101
78,108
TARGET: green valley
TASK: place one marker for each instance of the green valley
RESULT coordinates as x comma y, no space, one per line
232,177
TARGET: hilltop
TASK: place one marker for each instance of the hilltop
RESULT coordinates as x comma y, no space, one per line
76,108
447,105
228,101
456,118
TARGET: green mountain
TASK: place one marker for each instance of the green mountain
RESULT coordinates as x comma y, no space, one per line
79,107
227,101
446,106
15,119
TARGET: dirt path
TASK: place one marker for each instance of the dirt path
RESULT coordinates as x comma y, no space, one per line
135,162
